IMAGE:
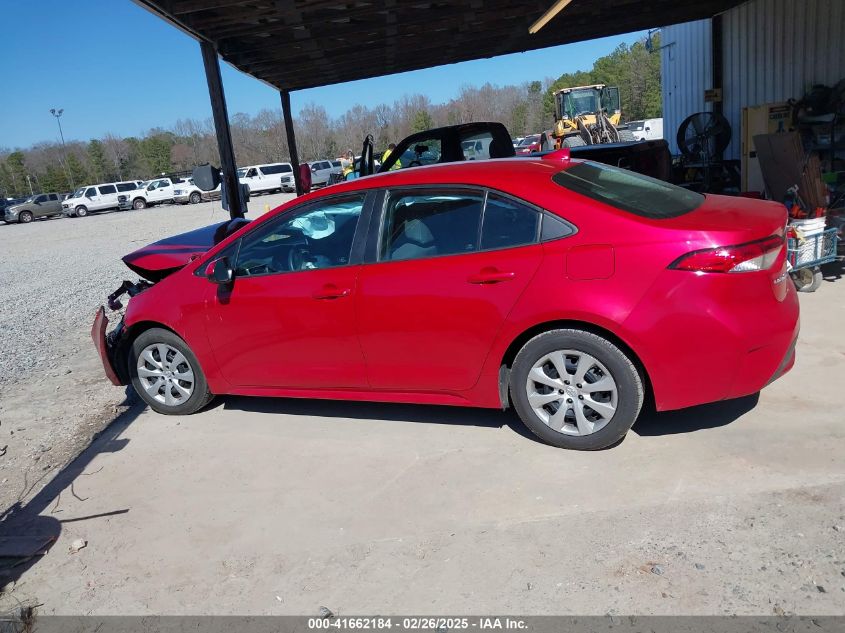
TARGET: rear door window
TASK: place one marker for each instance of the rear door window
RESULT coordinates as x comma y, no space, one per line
428,223
53,197
508,223
276,169
126,186
107,189
628,190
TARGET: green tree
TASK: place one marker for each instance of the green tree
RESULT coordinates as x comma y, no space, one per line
422,121
155,153
16,166
54,178
78,172
100,168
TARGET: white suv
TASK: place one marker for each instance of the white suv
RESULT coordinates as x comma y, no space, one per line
93,198
321,171
268,178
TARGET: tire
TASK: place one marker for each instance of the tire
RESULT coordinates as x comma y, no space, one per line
626,136
581,427
807,279
139,203
573,141
174,396
80,211
195,197
25,217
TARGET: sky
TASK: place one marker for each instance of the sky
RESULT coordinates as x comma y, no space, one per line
114,67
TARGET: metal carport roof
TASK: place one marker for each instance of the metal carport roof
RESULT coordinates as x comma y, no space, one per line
296,44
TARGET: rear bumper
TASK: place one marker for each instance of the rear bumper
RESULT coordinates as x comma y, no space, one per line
104,346
714,337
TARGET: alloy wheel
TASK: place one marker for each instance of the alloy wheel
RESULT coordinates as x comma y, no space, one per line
572,392
165,374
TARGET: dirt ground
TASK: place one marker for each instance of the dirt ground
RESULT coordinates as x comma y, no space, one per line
261,506
55,274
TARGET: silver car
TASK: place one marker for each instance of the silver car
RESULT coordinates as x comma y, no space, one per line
42,205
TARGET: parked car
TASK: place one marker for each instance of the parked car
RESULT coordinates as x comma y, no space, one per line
646,130
95,198
8,202
161,191
322,170
516,141
568,289
268,178
528,145
42,205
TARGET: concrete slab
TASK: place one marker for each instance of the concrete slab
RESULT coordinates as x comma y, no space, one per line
260,506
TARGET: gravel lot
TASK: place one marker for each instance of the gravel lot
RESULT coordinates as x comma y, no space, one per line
55,273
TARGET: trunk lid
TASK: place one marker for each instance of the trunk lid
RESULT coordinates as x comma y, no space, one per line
731,218
156,261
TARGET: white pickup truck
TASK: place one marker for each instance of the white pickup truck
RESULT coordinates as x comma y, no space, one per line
267,178
161,190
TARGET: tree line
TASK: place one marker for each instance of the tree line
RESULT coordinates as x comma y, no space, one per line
260,138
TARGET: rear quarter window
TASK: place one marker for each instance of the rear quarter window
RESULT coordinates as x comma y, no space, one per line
629,191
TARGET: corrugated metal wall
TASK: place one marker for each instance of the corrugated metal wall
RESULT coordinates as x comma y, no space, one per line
774,50
685,72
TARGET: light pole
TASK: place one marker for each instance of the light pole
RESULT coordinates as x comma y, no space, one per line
58,115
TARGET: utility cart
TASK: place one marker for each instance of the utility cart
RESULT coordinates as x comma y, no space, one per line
805,255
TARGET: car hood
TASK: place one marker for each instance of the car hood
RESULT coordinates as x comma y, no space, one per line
156,261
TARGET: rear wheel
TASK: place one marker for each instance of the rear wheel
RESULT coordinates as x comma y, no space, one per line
574,389
195,198
25,217
139,203
166,374
80,211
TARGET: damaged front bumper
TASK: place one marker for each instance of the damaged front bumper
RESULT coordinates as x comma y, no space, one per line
105,345
108,343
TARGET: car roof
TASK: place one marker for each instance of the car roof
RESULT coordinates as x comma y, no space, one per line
515,175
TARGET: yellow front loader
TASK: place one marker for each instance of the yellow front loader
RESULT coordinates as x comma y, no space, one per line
588,115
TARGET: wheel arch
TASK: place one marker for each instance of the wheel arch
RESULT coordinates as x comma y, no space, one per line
573,324
128,336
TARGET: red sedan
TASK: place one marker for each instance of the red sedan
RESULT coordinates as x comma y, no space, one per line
567,289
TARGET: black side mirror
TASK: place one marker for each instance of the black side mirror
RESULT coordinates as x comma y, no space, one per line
220,272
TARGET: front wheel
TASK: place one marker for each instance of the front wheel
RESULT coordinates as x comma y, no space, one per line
574,389
139,203
25,217
80,211
166,374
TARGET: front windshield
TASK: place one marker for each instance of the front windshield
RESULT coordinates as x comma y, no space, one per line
242,172
78,193
581,102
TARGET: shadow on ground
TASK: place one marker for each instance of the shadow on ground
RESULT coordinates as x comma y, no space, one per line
650,423
23,522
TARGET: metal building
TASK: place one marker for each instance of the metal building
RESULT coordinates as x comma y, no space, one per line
772,50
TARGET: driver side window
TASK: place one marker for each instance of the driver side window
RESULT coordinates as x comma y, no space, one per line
319,236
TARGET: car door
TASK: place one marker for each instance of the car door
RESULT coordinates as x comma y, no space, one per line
157,191
442,282
288,319
93,200
108,196
53,206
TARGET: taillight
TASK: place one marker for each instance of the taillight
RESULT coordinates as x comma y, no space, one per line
740,258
